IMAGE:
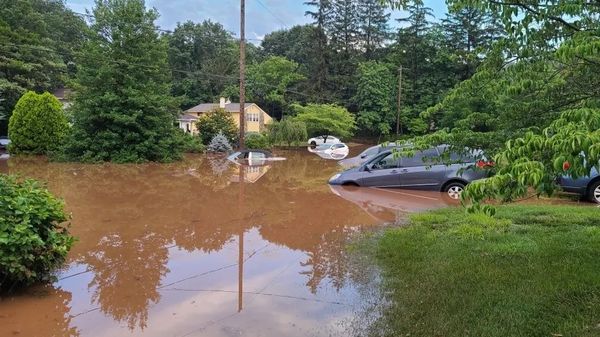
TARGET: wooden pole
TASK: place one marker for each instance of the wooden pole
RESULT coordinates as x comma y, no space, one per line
242,72
398,130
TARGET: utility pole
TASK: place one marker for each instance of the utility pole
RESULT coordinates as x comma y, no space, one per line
242,72
399,100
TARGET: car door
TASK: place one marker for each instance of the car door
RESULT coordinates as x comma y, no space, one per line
421,171
383,172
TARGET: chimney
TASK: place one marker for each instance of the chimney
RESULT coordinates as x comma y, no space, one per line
222,103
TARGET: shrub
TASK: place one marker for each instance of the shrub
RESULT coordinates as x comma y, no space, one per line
288,131
215,122
257,141
219,143
191,144
38,124
32,240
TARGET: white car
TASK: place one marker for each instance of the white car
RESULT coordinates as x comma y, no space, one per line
4,141
332,151
325,139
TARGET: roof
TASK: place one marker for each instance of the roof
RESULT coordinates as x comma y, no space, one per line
208,107
188,117
62,93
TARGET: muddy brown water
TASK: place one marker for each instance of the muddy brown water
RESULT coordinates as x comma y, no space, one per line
185,249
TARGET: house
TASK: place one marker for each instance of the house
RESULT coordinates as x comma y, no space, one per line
256,118
64,96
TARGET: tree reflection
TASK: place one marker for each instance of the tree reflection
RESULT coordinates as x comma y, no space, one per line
127,217
47,313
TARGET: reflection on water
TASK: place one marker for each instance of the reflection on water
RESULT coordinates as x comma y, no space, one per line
185,249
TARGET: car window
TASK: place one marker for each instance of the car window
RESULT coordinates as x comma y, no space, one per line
258,155
421,158
387,162
338,146
370,151
462,158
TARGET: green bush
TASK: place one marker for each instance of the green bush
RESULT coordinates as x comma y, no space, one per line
32,240
38,124
191,144
257,141
215,122
288,131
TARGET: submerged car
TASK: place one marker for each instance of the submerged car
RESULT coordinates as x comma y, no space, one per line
325,139
4,141
588,187
331,151
250,157
366,155
420,172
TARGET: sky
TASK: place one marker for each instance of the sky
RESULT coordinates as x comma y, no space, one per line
262,16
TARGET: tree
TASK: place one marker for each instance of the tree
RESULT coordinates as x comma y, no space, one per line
322,17
288,131
536,93
123,110
33,240
219,143
203,60
38,40
216,122
373,25
471,33
38,124
300,44
325,119
269,84
375,98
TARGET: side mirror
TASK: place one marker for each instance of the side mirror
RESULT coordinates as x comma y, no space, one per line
368,167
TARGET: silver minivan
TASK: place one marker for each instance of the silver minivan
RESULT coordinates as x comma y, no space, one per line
419,172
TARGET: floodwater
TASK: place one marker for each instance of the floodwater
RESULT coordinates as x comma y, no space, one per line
185,249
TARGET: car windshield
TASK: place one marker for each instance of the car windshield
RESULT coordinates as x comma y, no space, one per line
370,151
323,147
234,156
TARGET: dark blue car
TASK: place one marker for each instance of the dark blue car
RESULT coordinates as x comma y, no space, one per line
588,187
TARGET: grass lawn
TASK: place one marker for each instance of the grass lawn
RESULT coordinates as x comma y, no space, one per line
530,271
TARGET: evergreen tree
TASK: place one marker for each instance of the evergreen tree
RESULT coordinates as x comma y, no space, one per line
344,28
123,110
322,16
470,32
373,25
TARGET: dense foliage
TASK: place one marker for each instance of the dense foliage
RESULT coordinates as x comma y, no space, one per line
123,109
257,141
219,144
287,132
215,122
33,239
38,124
325,119
38,42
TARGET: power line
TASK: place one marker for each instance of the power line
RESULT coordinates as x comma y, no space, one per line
272,14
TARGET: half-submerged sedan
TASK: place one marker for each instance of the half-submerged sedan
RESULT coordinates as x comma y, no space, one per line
419,172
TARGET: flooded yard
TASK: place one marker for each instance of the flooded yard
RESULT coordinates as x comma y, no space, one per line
185,249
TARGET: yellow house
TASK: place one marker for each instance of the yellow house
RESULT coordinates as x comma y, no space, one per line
256,118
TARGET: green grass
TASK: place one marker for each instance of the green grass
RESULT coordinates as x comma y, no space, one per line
530,271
